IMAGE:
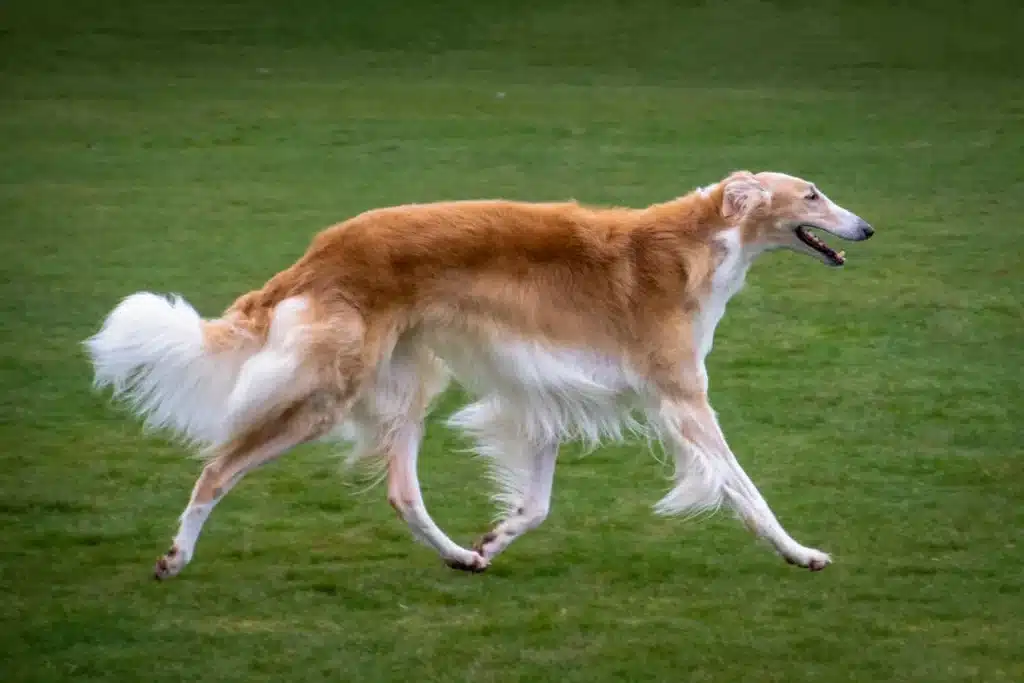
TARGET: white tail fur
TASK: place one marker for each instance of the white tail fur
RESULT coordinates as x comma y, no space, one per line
152,351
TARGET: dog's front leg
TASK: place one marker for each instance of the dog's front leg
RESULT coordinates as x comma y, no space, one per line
709,474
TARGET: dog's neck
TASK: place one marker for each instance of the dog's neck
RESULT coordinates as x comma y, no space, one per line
732,261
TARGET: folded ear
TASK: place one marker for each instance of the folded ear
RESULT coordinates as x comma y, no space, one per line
743,195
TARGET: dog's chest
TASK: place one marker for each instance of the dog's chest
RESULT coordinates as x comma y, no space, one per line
728,278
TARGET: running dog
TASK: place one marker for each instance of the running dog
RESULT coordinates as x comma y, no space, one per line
567,322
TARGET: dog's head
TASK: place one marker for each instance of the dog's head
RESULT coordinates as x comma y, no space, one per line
777,211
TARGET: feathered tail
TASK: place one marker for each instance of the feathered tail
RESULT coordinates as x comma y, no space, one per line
204,380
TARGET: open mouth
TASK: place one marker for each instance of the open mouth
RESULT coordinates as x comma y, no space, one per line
836,258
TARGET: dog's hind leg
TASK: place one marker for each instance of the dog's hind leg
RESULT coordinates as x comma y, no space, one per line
302,422
405,496
403,388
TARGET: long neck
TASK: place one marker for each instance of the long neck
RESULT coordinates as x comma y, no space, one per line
733,260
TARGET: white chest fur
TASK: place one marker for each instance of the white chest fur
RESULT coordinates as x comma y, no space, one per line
726,281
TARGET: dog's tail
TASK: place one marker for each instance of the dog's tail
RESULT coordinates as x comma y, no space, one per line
207,381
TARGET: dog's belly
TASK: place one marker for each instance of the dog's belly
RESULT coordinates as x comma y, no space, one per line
529,390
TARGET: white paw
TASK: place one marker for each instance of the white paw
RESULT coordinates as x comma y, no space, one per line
170,564
809,558
467,561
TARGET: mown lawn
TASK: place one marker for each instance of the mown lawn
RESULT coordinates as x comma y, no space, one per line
195,149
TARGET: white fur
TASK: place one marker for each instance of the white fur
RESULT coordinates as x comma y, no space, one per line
410,374
727,280
151,351
533,505
273,377
190,525
533,396
542,393
699,479
407,498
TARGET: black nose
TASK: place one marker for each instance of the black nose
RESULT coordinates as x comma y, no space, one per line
866,230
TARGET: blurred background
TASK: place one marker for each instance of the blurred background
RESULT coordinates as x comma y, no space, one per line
196,147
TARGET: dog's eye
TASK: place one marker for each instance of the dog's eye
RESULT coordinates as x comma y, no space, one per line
812,195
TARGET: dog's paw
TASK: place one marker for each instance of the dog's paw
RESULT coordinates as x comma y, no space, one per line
170,564
809,558
470,562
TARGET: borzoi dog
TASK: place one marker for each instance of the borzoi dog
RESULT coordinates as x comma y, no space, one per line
566,321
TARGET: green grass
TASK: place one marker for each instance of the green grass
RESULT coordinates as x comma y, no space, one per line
176,147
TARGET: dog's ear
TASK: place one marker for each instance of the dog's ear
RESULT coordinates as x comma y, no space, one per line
743,195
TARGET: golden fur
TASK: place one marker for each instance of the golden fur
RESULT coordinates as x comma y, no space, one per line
619,280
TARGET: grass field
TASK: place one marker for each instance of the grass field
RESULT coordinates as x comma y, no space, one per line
195,149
